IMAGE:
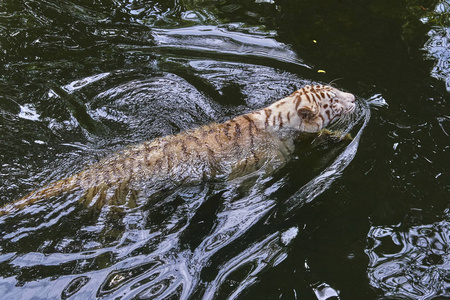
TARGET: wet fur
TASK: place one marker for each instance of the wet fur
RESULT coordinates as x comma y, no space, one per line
213,152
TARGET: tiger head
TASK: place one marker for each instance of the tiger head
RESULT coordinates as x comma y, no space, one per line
320,105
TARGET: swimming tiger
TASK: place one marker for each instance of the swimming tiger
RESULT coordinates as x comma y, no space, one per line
238,146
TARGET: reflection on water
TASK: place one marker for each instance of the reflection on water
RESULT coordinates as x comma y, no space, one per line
411,262
438,47
222,40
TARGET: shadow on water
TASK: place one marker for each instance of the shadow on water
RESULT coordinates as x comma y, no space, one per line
83,79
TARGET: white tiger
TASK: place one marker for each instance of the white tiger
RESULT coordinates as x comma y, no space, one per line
211,152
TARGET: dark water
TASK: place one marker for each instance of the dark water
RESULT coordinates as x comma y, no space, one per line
368,219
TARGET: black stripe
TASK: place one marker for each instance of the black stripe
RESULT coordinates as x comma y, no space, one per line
323,120
193,138
307,97
298,100
268,112
226,130
237,129
251,122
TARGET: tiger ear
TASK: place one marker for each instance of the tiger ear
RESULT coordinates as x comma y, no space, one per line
306,113
307,108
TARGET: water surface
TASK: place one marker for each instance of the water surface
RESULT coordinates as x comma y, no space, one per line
363,219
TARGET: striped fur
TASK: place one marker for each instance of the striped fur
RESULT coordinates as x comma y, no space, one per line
212,152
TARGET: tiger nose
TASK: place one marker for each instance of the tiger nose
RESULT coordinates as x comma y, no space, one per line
351,97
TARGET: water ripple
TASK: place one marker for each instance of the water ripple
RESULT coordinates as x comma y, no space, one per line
219,40
412,262
186,242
